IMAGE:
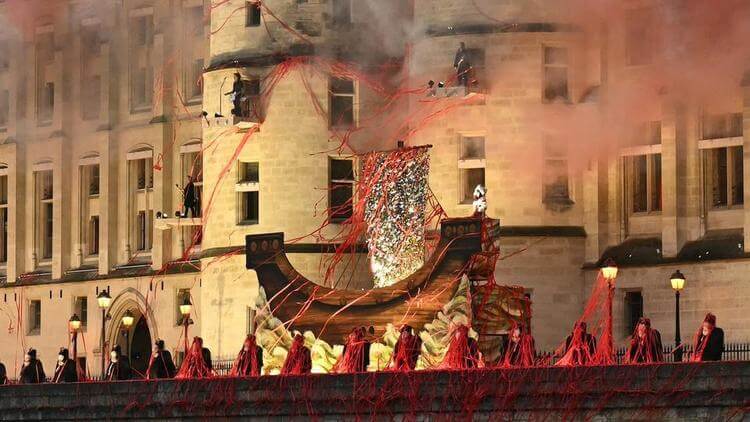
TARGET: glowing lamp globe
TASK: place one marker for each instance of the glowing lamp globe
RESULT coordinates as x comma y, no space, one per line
104,300
128,319
678,280
74,323
186,307
609,270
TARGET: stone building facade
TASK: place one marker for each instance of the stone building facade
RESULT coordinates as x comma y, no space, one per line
103,110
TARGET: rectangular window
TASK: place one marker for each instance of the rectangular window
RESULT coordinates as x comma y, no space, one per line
45,183
633,311
724,176
250,208
250,320
342,12
144,173
3,219
647,133
182,294
35,317
643,175
472,148
341,102
195,22
640,36
556,185
81,308
45,47
470,178
4,56
141,30
250,101
252,13
48,229
141,89
4,107
91,93
144,224
341,186
93,177
3,189
93,239
195,86
90,40
556,74
249,173
46,100
717,126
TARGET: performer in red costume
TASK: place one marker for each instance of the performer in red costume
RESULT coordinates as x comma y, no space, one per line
519,348
356,356
407,350
709,341
299,359
463,351
195,365
645,345
249,362
580,346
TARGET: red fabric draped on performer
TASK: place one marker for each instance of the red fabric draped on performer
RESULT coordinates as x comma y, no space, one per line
645,344
249,362
299,359
407,351
580,347
356,356
463,351
708,344
197,362
519,348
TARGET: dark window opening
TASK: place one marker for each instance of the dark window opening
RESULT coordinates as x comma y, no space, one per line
252,14
342,102
633,311
250,208
342,12
35,316
717,126
82,309
94,180
249,173
48,231
470,178
556,74
341,185
4,107
94,235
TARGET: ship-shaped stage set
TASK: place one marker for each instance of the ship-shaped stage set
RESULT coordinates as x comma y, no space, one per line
455,284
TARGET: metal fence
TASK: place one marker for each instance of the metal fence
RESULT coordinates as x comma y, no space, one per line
732,352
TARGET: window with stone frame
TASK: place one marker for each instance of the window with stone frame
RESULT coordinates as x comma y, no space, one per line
719,126
724,177
45,102
180,297
252,13
341,189
140,193
81,308
342,103
3,214
643,183
248,193
34,319
471,165
44,209
633,302
640,36
556,189
93,236
141,39
91,94
342,12
556,68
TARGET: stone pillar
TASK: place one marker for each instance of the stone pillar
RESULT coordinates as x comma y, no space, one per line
669,178
746,155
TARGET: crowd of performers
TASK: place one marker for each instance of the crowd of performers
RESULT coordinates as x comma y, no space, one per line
518,350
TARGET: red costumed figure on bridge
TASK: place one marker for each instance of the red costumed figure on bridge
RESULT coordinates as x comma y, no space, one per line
463,351
519,348
709,341
645,345
356,356
299,359
197,363
407,351
249,362
580,347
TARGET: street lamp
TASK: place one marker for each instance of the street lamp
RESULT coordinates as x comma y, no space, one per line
74,323
609,271
127,322
678,283
104,300
186,307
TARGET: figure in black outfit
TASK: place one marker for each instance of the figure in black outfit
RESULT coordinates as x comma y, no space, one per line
709,341
32,371
236,95
207,358
118,368
65,371
161,364
645,344
3,375
190,201
588,342
462,64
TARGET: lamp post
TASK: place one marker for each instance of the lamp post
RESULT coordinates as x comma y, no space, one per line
609,272
678,283
127,322
74,323
104,301
185,309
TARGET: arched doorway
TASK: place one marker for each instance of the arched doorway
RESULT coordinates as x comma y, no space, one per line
136,341
140,346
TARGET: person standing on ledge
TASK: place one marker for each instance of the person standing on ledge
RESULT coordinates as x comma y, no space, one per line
407,350
161,364
356,355
118,368
645,344
65,371
299,359
709,341
189,199
236,95
519,348
249,362
463,351
32,371
580,347
462,65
